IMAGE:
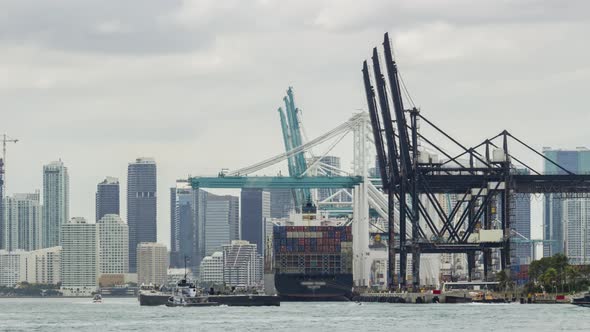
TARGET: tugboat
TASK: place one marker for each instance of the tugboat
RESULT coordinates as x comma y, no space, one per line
582,301
197,301
97,298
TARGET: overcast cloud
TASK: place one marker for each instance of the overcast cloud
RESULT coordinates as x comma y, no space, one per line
196,84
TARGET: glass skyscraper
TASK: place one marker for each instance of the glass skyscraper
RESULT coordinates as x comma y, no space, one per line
56,202
183,225
565,220
281,203
107,197
22,222
141,206
255,213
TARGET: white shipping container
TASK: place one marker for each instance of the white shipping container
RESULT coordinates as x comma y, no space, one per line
491,235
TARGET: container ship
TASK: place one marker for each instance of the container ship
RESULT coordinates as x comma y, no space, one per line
313,261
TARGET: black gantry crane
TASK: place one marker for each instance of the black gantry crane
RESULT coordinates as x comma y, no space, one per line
479,179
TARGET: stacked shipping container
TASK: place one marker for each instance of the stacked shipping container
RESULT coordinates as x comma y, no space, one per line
313,250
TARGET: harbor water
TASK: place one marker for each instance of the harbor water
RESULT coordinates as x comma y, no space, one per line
125,314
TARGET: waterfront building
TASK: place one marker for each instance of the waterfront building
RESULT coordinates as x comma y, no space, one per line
221,222
12,265
183,225
211,269
255,211
113,244
281,203
56,202
47,266
35,267
566,220
80,257
141,205
22,222
242,265
152,263
107,197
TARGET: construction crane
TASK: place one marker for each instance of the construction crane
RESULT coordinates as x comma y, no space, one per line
5,139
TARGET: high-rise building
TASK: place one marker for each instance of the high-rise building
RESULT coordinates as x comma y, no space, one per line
113,244
521,222
281,203
56,202
80,257
566,220
242,266
152,263
107,197
141,205
2,204
22,222
211,269
222,221
255,213
183,225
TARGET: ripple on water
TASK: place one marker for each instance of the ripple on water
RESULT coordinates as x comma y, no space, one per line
127,315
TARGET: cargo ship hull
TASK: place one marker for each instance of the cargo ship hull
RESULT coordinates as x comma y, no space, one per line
301,287
313,263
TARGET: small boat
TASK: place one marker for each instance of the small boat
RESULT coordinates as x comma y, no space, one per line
97,298
487,297
582,301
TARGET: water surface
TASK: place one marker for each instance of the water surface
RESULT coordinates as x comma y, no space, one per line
126,315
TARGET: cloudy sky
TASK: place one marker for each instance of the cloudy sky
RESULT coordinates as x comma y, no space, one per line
196,83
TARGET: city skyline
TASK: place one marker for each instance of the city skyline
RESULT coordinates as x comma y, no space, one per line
135,91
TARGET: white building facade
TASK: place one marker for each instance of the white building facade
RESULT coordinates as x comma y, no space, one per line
12,267
242,265
211,269
113,244
80,257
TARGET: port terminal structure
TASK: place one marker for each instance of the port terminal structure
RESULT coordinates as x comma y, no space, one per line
479,177
309,173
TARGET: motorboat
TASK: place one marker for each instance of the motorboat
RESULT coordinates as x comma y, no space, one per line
582,301
97,298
